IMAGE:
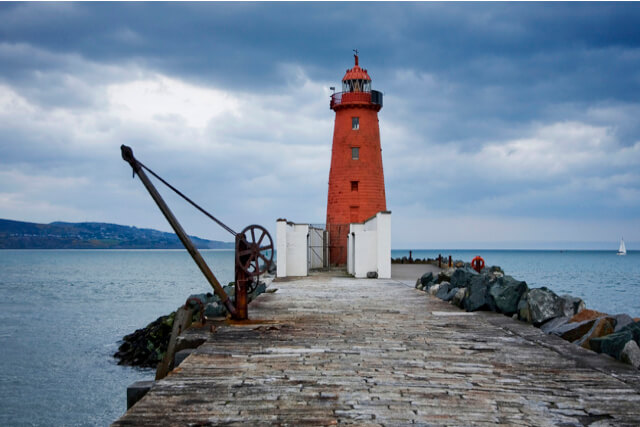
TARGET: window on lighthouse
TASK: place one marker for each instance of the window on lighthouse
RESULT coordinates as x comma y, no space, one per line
355,153
355,123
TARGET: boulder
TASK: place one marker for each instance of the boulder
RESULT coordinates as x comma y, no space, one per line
506,292
443,290
622,320
551,325
572,305
631,354
427,280
496,269
445,275
196,300
574,331
273,268
462,277
539,305
215,309
587,314
601,327
613,344
451,294
458,298
433,290
146,346
477,296
260,288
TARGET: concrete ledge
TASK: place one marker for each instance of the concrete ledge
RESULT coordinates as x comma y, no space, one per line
137,391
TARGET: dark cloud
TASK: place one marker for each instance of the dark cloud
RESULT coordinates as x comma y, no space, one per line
471,89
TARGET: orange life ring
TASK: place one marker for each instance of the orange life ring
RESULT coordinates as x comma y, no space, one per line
477,264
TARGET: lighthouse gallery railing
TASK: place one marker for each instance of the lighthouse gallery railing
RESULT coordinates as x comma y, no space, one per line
373,97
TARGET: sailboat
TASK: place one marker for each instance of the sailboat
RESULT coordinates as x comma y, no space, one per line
622,250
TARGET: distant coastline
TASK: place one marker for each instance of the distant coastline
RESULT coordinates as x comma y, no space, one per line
92,235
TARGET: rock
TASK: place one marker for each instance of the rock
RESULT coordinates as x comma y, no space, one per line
496,269
506,292
613,344
574,331
587,314
461,277
273,268
631,354
477,296
634,328
572,305
539,305
551,325
433,290
214,309
602,327
260,288
445,275
622,320
443,290
451,294
458,298
146,346
427,280
372,274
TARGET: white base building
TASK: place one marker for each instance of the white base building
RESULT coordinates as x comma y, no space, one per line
303,247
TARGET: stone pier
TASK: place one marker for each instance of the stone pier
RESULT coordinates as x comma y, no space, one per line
335,350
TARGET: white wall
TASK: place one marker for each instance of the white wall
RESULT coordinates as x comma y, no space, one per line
369,246
384,244
292,247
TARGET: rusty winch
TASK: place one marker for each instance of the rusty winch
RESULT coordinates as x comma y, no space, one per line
253,251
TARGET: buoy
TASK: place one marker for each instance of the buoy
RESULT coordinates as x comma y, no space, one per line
477,264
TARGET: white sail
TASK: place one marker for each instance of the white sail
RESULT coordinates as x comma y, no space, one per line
622,250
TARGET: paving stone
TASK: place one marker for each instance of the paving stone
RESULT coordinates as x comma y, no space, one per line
326,350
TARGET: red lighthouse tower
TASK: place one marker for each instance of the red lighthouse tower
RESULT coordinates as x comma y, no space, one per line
356,180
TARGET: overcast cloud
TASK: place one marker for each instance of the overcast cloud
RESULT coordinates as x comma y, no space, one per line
504,125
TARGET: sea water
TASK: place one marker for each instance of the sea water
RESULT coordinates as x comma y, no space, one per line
62,313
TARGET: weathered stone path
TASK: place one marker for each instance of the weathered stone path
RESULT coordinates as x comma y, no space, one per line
327,350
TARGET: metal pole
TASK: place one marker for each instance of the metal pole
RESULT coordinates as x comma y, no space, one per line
241,297
127,155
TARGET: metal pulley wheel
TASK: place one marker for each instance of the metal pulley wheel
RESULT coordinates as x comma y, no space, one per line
254,250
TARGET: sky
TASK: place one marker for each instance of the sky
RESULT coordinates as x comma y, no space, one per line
505,125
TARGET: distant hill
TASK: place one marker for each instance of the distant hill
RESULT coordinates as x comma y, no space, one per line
92,235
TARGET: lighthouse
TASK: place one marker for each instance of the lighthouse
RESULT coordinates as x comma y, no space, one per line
356,180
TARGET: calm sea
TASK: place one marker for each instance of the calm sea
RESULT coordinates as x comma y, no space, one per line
63,312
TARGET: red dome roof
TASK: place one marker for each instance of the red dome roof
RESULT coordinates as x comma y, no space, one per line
356,73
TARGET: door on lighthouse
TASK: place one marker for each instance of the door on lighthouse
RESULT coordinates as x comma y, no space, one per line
317,248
